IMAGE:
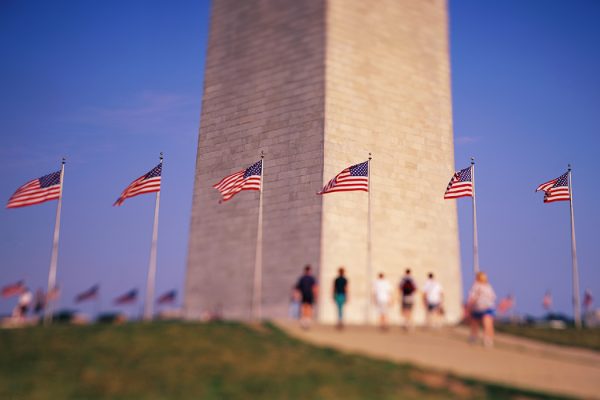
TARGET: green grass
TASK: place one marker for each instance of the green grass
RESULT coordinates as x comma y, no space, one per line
586,338
208,361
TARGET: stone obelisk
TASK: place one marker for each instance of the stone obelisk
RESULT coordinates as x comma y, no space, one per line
318,85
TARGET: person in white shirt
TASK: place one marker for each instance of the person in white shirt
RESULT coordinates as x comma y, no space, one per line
23,304
481,306
382,296
433,297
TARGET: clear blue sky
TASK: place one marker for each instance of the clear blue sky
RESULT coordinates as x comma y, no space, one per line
111,84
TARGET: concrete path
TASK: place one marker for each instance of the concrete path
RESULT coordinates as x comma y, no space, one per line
513,361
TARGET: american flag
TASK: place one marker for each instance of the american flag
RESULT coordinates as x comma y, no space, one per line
506,304
588,300
547,301
127,298
461,185
167,298
147,183
89,294
13,289
556,189
355,177
246,179
37,191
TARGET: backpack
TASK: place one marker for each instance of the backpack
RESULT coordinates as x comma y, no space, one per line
407,287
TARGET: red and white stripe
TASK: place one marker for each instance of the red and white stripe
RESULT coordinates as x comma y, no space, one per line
345,182
32,193
235,183
458,189
13,289
139,186
545,186
554,193
560,193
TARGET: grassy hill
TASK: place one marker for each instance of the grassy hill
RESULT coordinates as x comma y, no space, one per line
586,338
207,361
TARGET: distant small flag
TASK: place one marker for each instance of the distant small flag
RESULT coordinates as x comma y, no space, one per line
167,298
588,300
547,301
506,304
353,178
246,179
36,191
13,289
128,298
148,183
461,185
556,189
89,294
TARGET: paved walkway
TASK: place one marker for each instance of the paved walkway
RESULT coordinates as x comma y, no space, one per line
513,361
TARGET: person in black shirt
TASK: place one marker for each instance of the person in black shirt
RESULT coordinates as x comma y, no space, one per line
407,289
340,295
307,287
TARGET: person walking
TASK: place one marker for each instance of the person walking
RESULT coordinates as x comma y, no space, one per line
39,302
308,289
480,303
407,290
23,304
433,296
294,307
382,295
588,301
340,295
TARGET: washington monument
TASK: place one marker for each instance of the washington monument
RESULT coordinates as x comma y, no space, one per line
318,85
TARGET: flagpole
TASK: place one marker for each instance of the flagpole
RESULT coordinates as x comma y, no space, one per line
257,287
576,304
475,241
369,251
148,305
54,258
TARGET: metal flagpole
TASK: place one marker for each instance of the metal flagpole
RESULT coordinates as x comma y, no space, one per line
54,258
369,261
475,241
576,304
257,287
149,303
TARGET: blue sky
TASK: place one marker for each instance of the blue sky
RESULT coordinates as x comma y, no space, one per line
111,84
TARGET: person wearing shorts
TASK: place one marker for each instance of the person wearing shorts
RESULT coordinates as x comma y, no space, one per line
433,296
24,303
407,290
340,295
382,295
307,288
480,304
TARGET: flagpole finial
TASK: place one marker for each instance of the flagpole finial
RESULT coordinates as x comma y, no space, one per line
64,160
370,158
161,156
569,167
472,160
262,154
